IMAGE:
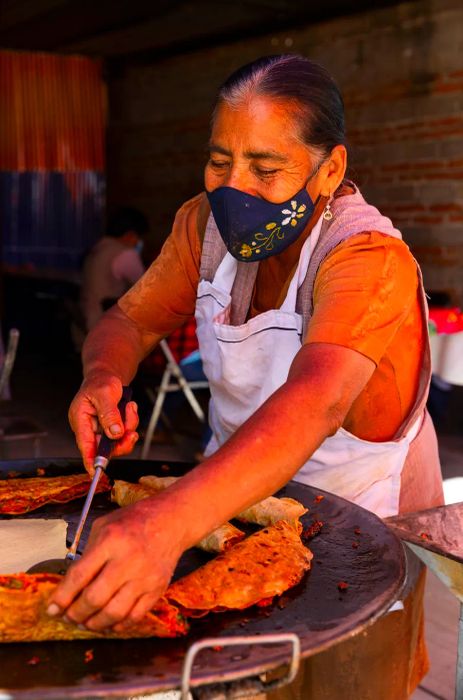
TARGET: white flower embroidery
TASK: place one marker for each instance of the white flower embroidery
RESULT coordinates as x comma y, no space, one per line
293,214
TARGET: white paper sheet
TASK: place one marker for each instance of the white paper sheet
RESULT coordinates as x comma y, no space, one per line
24,542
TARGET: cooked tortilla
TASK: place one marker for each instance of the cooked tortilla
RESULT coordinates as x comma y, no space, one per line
158,483
266,512
264,565
124,493
18,496
271,510
23,603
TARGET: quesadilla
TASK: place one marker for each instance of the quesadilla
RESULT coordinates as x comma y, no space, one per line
23,603
18,496
264,565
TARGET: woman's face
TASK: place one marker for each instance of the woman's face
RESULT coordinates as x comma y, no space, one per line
254,148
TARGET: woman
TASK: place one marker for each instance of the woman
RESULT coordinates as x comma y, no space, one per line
316,354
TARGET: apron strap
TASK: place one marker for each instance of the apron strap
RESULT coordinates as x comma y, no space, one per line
425,373
351,216
213,252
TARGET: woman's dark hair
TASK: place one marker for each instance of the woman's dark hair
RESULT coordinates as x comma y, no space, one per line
306,86
127,219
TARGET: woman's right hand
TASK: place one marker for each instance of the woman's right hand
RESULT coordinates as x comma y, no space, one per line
94,408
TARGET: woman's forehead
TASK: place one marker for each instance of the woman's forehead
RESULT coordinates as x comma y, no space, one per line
259,124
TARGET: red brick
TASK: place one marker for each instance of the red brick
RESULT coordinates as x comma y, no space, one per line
445,207
410,207
427,219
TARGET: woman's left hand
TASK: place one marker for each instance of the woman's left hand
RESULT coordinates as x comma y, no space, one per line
128,563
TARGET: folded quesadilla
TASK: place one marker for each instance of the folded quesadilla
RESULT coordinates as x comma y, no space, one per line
23,603
264,565
18,496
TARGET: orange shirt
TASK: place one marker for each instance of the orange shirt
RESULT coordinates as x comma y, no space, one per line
365,298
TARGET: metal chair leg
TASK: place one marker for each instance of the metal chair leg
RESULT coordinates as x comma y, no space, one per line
191,398
156,413
182,382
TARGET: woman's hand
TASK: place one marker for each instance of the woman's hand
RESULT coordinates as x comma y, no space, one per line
94,408
128,563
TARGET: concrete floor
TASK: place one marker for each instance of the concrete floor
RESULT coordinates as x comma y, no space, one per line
43,389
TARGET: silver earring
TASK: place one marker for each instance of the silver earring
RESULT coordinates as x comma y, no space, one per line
327,213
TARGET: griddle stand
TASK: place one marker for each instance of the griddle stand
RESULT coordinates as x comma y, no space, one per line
240,688
435,536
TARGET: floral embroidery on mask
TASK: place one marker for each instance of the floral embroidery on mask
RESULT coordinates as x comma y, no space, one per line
267,240
293,214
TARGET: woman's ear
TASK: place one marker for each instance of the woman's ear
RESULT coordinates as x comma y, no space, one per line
335,170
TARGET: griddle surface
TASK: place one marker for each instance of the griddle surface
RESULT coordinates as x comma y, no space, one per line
316,610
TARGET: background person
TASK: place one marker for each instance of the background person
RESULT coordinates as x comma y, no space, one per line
114,263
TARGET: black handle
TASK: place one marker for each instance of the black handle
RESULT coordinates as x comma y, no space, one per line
106,444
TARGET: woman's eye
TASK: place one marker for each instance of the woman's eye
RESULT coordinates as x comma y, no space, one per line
265,173
218,164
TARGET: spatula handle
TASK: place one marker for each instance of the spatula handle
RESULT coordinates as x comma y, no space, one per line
101,461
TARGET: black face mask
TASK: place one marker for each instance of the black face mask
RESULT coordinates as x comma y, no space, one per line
253,228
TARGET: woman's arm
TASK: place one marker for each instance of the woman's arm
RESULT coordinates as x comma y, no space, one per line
274,443
161,300
132,553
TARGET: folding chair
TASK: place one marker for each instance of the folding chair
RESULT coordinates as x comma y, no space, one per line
173,379
8,362
15,427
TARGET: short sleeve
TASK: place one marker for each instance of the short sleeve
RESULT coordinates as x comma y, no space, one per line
363,292
164,297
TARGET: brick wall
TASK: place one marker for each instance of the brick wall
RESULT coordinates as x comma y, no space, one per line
401,73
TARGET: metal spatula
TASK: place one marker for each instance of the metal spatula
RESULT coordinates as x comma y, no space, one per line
103,455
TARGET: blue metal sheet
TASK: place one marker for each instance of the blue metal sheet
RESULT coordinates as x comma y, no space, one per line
50,219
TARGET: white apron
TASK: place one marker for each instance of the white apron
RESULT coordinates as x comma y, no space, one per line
245,364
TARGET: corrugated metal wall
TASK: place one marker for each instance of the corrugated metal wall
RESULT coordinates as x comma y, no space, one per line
52,148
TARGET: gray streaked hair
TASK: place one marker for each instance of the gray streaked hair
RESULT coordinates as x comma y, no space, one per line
307,88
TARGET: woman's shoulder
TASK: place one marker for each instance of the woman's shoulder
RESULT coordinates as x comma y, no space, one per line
190,222
373,260
376,242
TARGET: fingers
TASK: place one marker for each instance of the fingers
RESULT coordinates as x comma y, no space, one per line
80,574
98,594
110,419
144,604
96,405
102,603
125,445
131,416
119,611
